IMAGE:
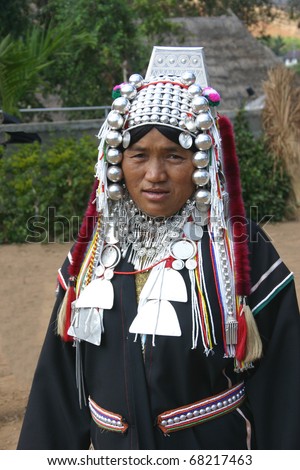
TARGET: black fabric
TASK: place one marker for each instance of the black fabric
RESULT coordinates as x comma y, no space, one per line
119,379
169,132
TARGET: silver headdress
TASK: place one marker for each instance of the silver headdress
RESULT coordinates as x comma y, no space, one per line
174,93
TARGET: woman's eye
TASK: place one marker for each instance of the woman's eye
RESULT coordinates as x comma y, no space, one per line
137,155
176,157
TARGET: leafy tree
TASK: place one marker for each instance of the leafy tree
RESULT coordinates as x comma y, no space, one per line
14,17
277,44
22,61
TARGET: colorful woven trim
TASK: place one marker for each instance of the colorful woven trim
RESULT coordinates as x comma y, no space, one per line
201,411
106,419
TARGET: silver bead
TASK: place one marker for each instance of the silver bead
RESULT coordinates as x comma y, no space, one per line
204,121
213,407
194,90
113,138
203,142
121,104
114,156
115,192
164,422
115,120
208,409
200,104
219,404
114,173
182,417
200,159
173,121
202,196
170,421
128,90
136,79
188,78
200,177
190,124
164,119
196,413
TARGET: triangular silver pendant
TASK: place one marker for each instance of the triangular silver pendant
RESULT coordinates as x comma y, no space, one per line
161,285
99,293
156,317
87,325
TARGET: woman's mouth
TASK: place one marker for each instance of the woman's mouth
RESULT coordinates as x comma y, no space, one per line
155,194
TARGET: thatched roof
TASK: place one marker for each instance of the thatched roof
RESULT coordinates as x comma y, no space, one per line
235,59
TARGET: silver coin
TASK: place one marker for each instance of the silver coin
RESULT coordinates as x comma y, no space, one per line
108,274
110,256
191,264
99,270
177,264
183,248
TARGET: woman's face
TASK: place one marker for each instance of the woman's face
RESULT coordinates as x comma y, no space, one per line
158,174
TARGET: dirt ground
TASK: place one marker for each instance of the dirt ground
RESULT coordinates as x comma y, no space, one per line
27,291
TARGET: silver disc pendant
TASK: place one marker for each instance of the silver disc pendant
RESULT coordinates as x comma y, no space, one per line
183,249
191,264
185,140
110,256
108,274
177,264
99,270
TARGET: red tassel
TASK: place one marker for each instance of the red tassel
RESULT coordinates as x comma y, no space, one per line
236,206
85,233
71,296
240,352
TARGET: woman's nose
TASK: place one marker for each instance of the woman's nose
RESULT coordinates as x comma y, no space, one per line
156,171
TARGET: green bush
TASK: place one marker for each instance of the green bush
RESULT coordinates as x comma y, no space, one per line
266,186
44,191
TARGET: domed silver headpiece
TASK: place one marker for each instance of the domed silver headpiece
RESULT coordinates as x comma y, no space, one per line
174,93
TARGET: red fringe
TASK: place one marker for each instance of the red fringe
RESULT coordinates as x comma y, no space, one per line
85,233
240,352
236,206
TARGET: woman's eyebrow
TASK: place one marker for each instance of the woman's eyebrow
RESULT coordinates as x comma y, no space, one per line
140,148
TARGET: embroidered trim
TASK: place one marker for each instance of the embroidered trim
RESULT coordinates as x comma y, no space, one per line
265,275
62,281
106,419
272,294
201,411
